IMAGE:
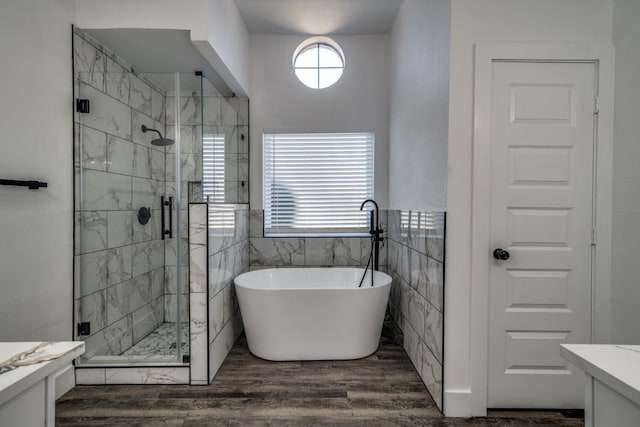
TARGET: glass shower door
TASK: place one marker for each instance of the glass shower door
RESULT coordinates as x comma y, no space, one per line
183,164
131,174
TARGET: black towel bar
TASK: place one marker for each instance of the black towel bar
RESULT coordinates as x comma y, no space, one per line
33,185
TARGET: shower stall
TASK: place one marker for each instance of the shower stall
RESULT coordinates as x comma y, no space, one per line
142,144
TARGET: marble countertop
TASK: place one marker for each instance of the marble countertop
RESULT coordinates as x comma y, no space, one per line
40,359
617,366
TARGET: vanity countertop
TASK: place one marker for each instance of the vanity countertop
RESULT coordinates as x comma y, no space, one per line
23,364
617,366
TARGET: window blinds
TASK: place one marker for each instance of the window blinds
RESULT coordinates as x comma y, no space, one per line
314,183
213,167
221,217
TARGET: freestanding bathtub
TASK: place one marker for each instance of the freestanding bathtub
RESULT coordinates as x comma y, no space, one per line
312,313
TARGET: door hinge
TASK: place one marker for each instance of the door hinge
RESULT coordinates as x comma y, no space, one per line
83,106
596,105
593,237
84,328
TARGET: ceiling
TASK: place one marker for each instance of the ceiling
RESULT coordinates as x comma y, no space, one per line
169,51
161,51
318,17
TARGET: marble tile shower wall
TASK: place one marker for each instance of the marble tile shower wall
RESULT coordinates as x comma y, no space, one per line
190,157
228,254
236,149
217,255
119,262
229,117
270,252
210,114
201,113
198,324
416,263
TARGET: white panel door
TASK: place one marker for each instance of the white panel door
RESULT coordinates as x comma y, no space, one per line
542,144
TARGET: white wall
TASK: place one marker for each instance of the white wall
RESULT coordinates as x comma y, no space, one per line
473,22
419,105
357,102
161,14
36,227
230,38
217,29
625,286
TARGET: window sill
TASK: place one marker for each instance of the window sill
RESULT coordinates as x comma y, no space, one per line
317,235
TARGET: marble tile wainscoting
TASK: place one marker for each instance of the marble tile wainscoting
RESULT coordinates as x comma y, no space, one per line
219,251
416,263
273,252
119,263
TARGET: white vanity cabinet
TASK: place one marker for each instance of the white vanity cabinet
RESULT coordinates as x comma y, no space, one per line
27,391
612,396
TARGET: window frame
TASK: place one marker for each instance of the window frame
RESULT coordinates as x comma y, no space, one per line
328,231
318,43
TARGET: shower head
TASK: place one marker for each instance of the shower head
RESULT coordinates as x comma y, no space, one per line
158,141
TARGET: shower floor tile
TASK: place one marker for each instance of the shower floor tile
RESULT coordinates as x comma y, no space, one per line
161,342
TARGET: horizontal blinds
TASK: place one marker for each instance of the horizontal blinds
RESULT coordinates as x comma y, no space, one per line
213,167
316,182
222,218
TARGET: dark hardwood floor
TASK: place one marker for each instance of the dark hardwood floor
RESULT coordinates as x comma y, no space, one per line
380,390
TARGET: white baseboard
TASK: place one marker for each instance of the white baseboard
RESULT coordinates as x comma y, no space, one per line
65,381
457,403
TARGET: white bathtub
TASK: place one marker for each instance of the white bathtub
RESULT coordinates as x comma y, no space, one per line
312,313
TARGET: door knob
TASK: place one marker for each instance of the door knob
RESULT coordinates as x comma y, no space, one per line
501,254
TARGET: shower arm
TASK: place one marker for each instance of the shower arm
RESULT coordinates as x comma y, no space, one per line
147,129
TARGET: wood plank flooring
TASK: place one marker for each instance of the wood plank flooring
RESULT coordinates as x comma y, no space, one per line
380,390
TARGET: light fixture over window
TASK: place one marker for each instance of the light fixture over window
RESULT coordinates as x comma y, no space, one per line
318,62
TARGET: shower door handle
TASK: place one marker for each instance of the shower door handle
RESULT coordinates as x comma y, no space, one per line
170,231
164,203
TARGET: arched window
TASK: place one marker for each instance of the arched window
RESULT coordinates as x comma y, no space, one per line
318,62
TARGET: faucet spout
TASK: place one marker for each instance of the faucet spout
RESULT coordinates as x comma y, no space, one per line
367,201
377,213
375,232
